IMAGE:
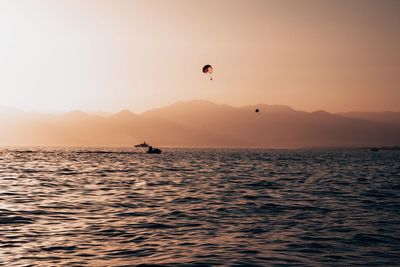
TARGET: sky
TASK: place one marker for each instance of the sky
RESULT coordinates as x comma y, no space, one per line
339,55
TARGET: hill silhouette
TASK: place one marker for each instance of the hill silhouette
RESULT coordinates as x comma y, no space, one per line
201,123
387,117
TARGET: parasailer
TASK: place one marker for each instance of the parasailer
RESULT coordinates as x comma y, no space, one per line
257,110
208,69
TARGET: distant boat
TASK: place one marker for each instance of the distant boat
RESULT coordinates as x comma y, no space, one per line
142,145
374,149
153,150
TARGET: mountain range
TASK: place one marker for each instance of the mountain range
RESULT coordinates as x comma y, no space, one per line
200,123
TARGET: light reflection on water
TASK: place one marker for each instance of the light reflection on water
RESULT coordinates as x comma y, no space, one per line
78,207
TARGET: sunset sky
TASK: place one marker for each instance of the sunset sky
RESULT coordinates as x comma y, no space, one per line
341,55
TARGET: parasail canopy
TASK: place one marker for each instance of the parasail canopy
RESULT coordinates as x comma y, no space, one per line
208,69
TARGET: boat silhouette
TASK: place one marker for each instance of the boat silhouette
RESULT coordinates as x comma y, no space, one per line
153,150
144,144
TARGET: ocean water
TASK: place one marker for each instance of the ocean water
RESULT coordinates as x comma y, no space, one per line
194,207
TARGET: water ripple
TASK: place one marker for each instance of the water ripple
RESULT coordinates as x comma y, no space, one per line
113,207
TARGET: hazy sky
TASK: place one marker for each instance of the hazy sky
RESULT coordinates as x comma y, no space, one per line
338,55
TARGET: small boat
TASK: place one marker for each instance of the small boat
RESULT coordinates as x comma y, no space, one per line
153,150
144,144
374,149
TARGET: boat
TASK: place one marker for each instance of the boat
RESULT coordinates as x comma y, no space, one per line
144,144
153,150
374,149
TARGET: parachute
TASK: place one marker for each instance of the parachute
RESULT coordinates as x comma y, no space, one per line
208,69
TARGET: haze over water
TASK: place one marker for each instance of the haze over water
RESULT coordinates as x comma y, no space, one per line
97,207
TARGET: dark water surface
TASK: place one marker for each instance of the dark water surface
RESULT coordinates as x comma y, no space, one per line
78,207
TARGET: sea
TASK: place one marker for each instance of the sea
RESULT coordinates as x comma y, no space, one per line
199,207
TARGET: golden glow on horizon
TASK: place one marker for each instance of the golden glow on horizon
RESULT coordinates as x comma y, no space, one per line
111,55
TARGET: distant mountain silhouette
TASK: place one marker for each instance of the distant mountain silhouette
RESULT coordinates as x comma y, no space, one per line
201,123
386,117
